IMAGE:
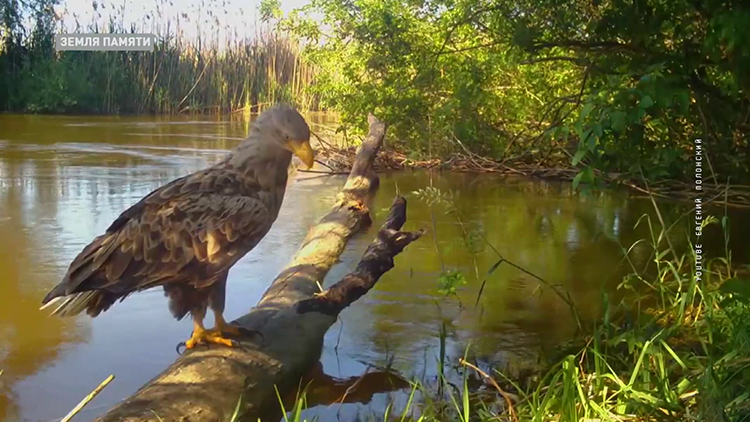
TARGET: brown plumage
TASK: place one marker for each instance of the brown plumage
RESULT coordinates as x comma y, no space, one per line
187,234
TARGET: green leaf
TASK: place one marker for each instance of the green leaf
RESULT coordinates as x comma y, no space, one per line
585,135
577,180
591,143
586,110
598,130
588,174
270,9
646,102
450,281
578,128
579,156
618,121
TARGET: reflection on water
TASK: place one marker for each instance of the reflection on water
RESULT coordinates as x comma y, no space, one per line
64,179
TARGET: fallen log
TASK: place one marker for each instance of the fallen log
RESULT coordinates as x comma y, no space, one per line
208,384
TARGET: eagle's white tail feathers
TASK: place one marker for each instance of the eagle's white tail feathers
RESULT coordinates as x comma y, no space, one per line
70,305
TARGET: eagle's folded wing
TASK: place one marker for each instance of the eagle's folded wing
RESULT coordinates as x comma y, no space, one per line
186,231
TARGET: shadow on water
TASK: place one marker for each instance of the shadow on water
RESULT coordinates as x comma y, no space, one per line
64,179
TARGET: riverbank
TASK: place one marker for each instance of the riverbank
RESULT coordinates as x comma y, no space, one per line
339,160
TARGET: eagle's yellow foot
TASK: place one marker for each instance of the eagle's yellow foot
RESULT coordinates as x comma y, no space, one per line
203,336
229,329
233,329
321,295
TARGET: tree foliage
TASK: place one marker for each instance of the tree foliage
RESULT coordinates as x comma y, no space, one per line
615,85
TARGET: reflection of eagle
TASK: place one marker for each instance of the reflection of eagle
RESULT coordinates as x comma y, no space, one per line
187,234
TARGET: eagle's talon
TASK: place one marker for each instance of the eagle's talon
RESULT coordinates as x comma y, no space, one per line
246,332
181,344
321,295
231,328
206,337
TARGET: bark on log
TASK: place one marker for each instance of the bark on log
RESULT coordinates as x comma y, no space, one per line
206,384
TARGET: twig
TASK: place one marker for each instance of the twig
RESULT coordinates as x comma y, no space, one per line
492,381
351,388
195,84
87,399
325,144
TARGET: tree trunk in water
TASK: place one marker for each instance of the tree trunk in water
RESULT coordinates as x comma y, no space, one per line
208,384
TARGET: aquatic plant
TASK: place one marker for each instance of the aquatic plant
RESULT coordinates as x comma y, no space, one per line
182,75
675,348
676,351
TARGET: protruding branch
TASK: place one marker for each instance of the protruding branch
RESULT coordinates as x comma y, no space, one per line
376,261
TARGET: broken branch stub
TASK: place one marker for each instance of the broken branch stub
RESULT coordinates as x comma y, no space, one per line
376,261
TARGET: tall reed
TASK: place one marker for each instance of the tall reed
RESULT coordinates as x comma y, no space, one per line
184,74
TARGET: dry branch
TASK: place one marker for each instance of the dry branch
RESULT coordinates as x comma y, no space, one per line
205,384
376,261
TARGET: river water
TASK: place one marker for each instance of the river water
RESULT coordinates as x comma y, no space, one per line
64,179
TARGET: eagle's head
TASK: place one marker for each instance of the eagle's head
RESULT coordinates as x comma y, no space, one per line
284,127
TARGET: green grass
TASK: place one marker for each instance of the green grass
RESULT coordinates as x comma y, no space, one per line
677,349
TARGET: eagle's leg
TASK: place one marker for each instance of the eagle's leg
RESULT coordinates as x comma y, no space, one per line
216,300
201,335
223,326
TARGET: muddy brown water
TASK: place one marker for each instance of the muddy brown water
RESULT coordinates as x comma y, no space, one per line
64,179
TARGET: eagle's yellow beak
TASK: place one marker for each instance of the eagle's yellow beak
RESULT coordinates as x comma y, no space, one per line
304,151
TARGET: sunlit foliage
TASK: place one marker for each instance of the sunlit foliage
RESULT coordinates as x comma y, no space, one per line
614,85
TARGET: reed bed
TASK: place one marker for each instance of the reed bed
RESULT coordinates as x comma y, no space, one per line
184,74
